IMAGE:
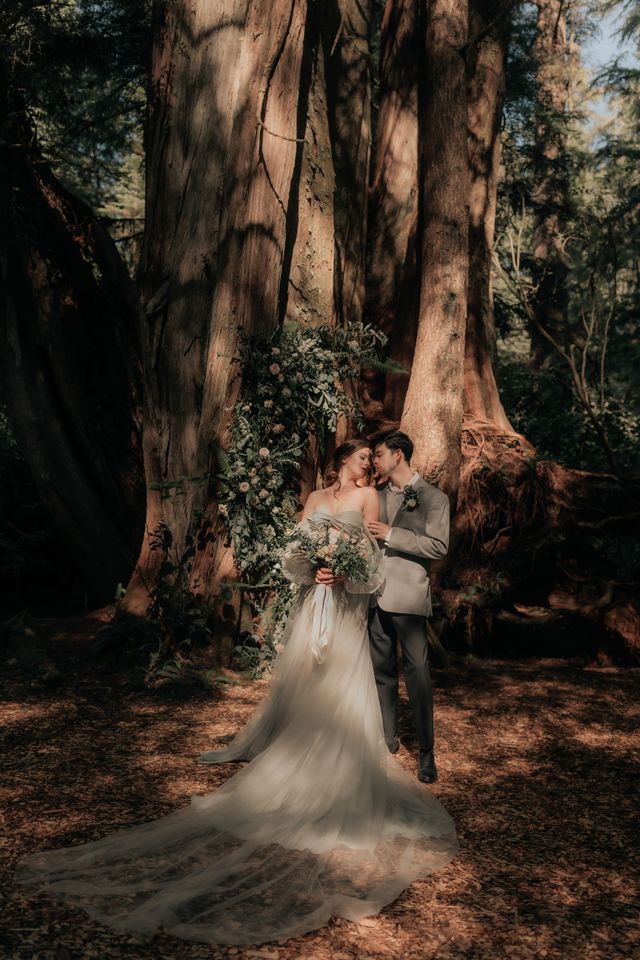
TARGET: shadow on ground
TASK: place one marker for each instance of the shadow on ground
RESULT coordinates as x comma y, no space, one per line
538,765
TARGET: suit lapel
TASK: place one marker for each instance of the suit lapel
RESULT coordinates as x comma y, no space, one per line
399,517
383,505
384,509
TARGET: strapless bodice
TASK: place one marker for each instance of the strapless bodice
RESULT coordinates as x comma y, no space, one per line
353,518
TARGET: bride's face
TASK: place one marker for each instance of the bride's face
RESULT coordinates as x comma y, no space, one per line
357,465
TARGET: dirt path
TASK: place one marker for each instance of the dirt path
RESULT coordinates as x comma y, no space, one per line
538,766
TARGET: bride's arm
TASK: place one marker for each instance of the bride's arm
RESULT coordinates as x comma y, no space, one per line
371,505
371,510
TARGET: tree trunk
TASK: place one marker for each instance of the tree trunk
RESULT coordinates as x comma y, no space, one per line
310,273
392,292
346,32
555,64
485,99
432,413
346,29
69,361
227,112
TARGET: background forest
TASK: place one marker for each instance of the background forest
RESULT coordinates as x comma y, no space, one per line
233,233
236,233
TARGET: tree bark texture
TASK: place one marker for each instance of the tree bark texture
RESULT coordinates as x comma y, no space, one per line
346,28
310,272
555,58
432,413
70,358
392,291
485,100
224,156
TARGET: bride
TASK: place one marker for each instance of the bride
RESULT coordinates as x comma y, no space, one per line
322,822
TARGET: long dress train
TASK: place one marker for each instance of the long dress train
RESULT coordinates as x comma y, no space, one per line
322,822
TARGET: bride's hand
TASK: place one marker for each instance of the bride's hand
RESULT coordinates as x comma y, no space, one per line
326,577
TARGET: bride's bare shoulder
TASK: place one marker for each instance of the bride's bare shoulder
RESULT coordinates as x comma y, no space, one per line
369,504
313,500
369,495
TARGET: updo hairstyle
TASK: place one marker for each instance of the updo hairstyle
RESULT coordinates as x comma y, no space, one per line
342,453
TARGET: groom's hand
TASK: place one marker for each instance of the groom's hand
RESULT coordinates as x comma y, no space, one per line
378,530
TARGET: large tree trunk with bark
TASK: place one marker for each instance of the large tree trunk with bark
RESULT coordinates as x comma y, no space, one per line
392,290
346,29
556,61
311,267
224,149
487,57
346,34
69,361
432,413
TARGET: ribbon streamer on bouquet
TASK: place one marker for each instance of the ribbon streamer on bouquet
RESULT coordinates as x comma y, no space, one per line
323,610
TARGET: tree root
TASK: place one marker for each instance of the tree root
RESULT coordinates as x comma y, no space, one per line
538,545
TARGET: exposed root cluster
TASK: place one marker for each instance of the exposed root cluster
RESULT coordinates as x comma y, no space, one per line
536,544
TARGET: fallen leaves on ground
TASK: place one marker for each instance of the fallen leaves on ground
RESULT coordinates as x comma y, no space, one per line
538,765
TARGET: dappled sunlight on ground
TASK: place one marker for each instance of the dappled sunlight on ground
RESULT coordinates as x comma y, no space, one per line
538,766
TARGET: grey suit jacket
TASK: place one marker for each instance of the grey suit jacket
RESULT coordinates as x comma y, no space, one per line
417,536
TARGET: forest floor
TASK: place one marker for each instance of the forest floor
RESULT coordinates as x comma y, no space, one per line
538,765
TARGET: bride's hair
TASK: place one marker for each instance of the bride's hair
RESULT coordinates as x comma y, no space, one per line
342,453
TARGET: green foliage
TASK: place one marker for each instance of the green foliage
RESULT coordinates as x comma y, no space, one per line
82,67
293,387
544,408
580,407
178,673
295,384
176,626
484,594
182,619
342,553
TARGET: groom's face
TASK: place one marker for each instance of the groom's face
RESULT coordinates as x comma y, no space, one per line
385,460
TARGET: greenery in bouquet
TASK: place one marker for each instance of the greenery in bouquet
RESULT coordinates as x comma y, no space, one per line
345,554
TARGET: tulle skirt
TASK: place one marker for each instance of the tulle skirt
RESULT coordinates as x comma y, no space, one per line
321,822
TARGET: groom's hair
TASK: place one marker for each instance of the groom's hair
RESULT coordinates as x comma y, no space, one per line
395,440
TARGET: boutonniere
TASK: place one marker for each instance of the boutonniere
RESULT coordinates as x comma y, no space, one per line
410,497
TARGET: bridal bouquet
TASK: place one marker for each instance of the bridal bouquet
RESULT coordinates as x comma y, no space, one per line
345,554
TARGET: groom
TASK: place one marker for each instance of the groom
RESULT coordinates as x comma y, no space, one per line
413,529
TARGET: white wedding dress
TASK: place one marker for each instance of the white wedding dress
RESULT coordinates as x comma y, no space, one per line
322,822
